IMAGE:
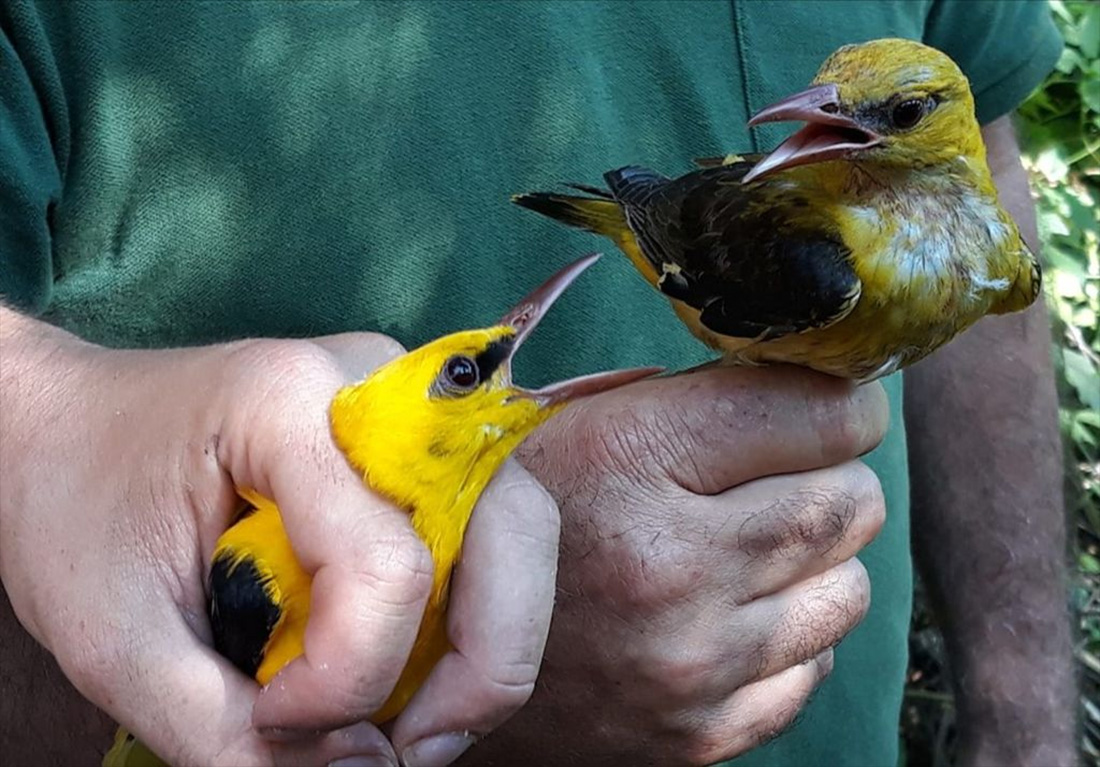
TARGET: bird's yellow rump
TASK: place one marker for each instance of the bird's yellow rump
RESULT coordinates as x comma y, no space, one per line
428,431
862,243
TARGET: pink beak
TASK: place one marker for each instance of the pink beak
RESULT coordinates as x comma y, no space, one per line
526,316
828,135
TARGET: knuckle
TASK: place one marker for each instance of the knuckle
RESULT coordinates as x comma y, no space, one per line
710,746
815,518
508,687
348,696
401,566
872,501
528,508
517,673
286,368
290,355
851,424
777,709
836,604
860,589
818,619
777,718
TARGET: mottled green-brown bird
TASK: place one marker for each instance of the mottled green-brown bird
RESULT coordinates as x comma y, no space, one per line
869,238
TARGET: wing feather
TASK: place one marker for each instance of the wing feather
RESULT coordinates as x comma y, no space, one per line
757,264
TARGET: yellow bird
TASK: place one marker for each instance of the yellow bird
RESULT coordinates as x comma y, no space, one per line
428,431
866,240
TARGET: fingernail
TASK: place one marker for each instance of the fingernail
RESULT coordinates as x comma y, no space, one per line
438,750
374,760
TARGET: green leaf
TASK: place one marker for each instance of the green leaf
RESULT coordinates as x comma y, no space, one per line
1084,379
1051,164
1089,418
1053,223
1069,61
1070,263
1089,31
1059,260
1088,564
1060,10
1081,211
1083,437
1089,88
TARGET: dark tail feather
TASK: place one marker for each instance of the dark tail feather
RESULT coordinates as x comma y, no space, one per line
600,214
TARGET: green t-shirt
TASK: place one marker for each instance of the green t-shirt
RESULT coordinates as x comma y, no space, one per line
182,173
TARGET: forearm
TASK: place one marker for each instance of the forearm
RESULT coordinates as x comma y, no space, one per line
988,515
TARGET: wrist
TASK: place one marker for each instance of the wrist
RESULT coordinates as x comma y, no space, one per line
32,354
37,363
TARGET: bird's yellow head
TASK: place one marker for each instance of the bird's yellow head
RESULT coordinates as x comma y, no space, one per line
889,102
439,421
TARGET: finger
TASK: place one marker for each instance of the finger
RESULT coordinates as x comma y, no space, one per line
360,353
371,573
498,621
799,623
371,578
757,640
362,744
716,428
759,712
190,706
799,525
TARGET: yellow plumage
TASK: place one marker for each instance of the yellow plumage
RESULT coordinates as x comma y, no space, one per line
865,241
427,431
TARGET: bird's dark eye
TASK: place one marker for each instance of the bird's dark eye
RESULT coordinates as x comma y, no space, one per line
461,373
908,113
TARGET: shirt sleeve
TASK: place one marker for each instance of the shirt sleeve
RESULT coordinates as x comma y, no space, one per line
1004,48
30,179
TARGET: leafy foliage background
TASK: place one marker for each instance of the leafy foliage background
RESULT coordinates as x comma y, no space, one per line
1059,130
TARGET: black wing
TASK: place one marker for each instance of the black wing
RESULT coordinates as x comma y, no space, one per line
242,615
754,260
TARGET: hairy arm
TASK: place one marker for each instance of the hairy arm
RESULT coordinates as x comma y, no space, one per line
988,517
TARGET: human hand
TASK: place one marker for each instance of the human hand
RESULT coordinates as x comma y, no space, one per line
710,525
119,473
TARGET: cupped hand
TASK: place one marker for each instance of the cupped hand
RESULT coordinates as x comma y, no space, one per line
711,522
120,469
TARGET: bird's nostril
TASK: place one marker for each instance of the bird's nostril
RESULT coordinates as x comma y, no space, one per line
830,108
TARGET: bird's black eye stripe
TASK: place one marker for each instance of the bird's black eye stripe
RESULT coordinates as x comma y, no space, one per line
493,356
461,374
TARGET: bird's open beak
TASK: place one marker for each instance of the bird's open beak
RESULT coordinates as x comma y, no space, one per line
827,135
526,316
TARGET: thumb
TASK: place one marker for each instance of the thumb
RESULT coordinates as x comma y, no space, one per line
359,353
